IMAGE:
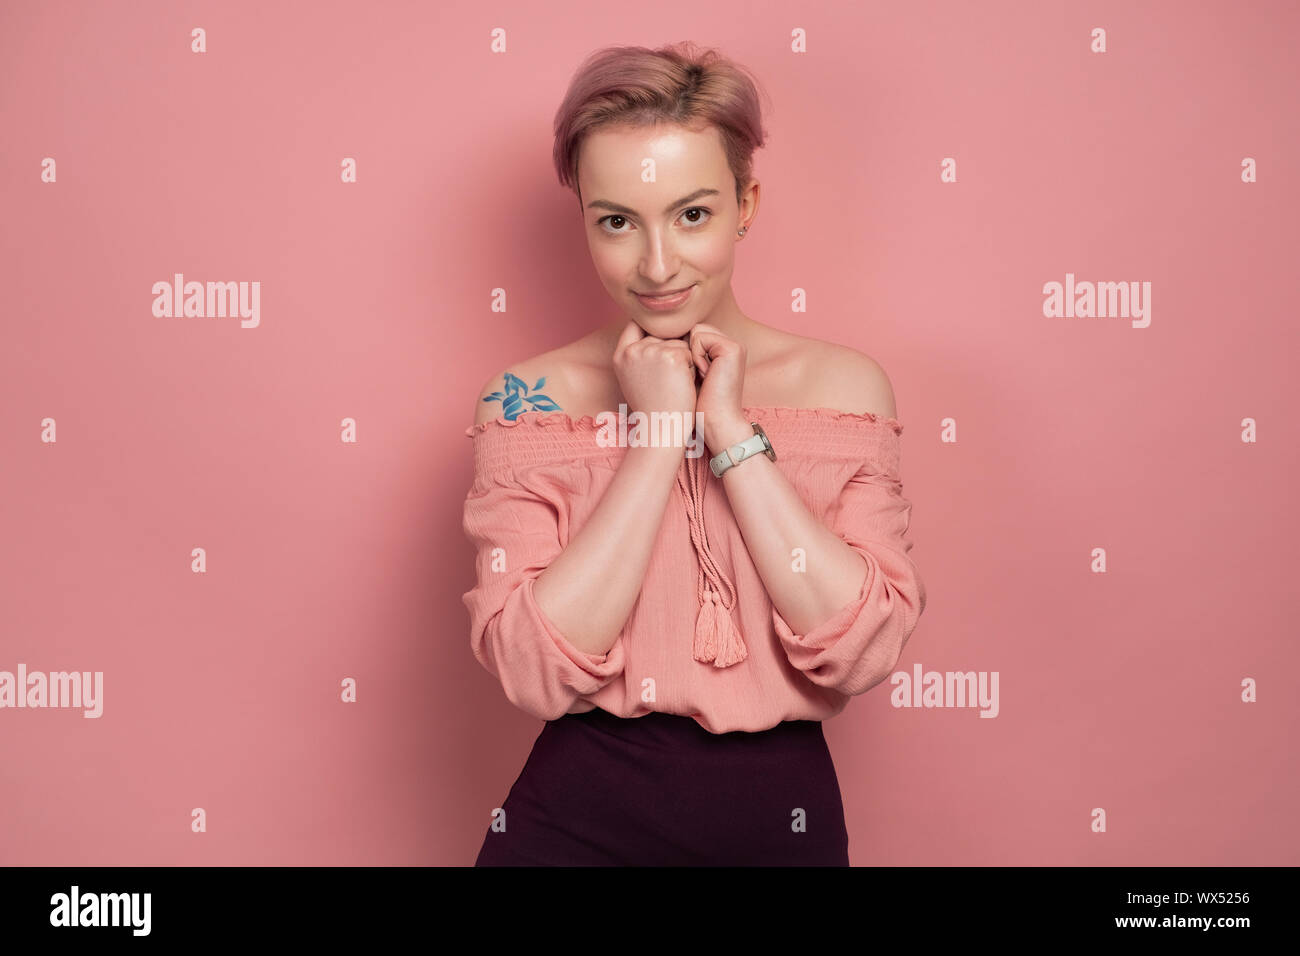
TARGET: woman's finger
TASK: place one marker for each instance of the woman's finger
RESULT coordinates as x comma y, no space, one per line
631,333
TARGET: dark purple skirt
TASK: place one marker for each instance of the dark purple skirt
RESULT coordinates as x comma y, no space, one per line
660,790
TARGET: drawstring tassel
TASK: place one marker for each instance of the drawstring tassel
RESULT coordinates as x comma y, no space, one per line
716,637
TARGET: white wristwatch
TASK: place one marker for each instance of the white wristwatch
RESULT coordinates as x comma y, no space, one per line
735,454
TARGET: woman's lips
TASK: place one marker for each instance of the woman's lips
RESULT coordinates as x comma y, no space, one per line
665,303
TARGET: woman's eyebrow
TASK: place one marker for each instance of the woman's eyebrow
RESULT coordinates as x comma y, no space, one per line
625,211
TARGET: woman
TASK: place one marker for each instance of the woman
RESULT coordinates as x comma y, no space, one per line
683,642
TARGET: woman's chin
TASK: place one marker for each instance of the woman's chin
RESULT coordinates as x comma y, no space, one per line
675,328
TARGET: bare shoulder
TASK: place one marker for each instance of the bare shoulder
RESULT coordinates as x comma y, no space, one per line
850,380
539,383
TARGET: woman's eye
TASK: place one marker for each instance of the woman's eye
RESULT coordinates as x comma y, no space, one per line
694,220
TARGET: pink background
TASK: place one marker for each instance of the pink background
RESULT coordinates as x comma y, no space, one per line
329,560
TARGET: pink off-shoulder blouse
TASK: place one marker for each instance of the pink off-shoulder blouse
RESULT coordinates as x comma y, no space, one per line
703,638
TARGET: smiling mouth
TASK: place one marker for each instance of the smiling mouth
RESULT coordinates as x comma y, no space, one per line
664,295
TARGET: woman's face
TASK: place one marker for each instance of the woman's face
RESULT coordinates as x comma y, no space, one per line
675,231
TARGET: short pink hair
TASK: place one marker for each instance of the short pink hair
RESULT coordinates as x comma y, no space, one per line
677,84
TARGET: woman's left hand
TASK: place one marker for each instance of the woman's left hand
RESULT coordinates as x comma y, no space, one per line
719,419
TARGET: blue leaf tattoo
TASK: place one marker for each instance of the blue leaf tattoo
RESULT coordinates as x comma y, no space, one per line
517,393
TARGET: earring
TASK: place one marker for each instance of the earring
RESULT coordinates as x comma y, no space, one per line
742,231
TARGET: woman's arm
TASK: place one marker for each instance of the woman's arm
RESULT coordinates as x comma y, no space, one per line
774,520
588,591
844,614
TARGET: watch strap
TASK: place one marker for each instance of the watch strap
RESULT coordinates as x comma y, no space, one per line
732,455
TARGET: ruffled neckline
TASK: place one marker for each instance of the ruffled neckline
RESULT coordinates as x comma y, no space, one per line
566,422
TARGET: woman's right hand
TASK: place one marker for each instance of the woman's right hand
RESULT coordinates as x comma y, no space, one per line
655,374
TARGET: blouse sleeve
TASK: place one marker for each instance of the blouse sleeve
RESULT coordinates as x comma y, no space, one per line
515,533
859,645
